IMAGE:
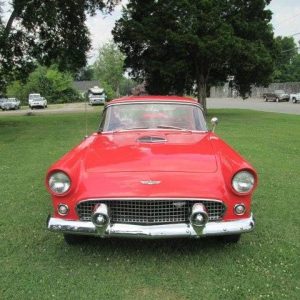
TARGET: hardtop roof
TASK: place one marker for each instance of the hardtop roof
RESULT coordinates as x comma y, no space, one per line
153,99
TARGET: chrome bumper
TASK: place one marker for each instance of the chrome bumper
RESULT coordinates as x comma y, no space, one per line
152,231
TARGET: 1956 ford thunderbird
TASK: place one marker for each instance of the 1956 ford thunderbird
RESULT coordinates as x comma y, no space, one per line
152,170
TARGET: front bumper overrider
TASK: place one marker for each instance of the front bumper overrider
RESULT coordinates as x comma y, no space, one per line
180,230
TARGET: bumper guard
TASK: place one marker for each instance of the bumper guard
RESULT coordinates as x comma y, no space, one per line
152,231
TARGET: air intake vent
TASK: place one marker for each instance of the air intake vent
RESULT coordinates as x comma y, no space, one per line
151,211
151,139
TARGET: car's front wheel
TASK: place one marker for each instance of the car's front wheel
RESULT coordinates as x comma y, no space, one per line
231,239
294,100
277,100
73,239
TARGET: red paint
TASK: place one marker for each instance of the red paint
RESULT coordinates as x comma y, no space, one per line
188,165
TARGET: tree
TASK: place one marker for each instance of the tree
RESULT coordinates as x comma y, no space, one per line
109,67
294,70
86,73
287,67
51,83
175,44
126,86
46,32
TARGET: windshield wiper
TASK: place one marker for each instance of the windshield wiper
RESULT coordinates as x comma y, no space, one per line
172,127
127,129
134,128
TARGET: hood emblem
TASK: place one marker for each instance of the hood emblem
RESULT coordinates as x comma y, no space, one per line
150,182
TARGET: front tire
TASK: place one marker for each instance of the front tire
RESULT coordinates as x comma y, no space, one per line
266,99
294,100
73,239
277,100
231,239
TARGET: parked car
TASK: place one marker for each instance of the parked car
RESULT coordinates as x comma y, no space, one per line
36,100
278,96
152,170
295,98
10,103
1,101
96,96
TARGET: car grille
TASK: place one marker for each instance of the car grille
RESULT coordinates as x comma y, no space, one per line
150,211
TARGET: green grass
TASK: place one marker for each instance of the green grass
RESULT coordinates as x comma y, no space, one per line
37,264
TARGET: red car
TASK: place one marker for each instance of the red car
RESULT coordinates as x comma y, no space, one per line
152,170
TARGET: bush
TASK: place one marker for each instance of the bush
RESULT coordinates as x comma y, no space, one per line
54,85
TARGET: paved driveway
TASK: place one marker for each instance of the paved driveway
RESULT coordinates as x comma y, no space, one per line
255,104
252,103
54,109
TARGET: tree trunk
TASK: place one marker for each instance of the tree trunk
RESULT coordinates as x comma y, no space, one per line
9,23
201,92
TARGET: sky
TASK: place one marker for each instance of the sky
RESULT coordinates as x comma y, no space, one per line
286,22
286,17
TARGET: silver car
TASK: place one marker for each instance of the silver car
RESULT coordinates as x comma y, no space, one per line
10,103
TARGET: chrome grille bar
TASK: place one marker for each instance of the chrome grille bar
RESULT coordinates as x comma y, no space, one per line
154,211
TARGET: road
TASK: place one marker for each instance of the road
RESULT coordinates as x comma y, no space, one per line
251,103
54,109
254,104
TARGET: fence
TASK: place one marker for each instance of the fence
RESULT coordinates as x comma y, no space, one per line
226,92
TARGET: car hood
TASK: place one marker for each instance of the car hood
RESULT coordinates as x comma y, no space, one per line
150,152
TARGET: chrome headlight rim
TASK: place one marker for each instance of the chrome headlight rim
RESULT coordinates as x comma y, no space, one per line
236,185
66,181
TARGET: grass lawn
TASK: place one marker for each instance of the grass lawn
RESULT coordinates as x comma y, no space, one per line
37,264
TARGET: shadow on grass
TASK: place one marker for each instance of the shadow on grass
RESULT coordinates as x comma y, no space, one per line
131,247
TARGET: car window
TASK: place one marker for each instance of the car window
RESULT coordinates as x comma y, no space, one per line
174,116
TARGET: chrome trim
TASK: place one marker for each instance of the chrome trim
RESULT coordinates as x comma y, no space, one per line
156,129
159,101
62,204
214,121
199,208
151,139
152,231
154,199
101,209
144,199
150,182
239,205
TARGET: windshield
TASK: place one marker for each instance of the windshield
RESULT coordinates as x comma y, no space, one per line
36,96
96,94
173,116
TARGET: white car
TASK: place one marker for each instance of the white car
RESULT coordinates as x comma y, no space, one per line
295,98
96,96
36,100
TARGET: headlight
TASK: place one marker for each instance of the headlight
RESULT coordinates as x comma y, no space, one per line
243,182
59,183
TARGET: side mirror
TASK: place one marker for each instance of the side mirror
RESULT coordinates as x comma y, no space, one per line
214,122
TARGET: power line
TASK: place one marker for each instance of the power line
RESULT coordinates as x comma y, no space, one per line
288,19
290,49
